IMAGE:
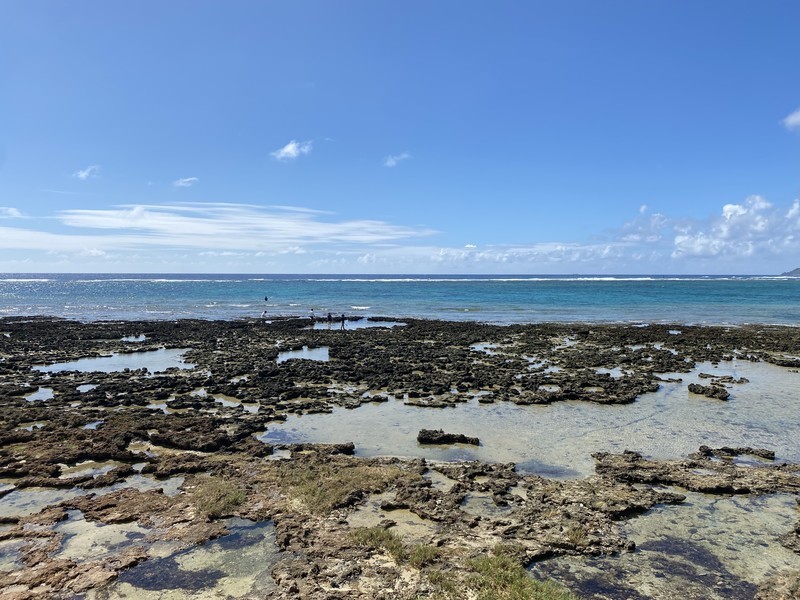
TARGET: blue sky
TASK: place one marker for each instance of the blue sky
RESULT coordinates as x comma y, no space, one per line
400,137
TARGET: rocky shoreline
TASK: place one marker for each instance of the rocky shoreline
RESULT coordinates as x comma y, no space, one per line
172,426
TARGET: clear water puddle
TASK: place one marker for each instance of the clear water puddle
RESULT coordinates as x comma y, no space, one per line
155,361
280,454
231,402
486,348
718,548
28,501
411,528
89,467
89,540
482,504
305,353
237,565
40,395
10,555
615,373
133,338
439,481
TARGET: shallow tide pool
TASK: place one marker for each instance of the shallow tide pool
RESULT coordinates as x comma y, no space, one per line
237,565
558,439
711,547
155,361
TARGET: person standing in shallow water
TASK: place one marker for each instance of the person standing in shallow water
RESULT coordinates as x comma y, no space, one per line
343,321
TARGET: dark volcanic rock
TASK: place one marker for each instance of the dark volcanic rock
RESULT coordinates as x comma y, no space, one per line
438,436
709,391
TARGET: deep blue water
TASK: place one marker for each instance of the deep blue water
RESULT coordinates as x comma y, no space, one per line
495,299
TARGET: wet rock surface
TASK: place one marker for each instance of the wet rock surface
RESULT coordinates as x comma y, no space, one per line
200,423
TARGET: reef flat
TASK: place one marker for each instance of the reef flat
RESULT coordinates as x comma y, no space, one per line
125,445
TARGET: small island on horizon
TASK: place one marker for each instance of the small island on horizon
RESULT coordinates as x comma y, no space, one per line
792,273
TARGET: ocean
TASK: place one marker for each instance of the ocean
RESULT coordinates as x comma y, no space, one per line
493,299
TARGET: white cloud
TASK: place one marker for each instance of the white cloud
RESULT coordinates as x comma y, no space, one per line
232,227
794,211
292,150
792,122
93,253
185,182
293,250
90,171
753,228
7,212
393,160
750,236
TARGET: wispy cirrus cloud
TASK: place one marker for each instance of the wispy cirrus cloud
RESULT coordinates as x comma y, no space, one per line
394,159
185,182
292,150
792,122
234,226
221,237
87,173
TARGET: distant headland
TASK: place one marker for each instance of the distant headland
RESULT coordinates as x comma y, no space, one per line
792,273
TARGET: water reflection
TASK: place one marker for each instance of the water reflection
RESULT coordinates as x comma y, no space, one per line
336,323
304,353
40,395
134,338
155,361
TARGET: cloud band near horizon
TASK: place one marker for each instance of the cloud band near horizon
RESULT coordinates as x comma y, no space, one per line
753,228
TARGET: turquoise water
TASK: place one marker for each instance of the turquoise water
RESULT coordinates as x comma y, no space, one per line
495,299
